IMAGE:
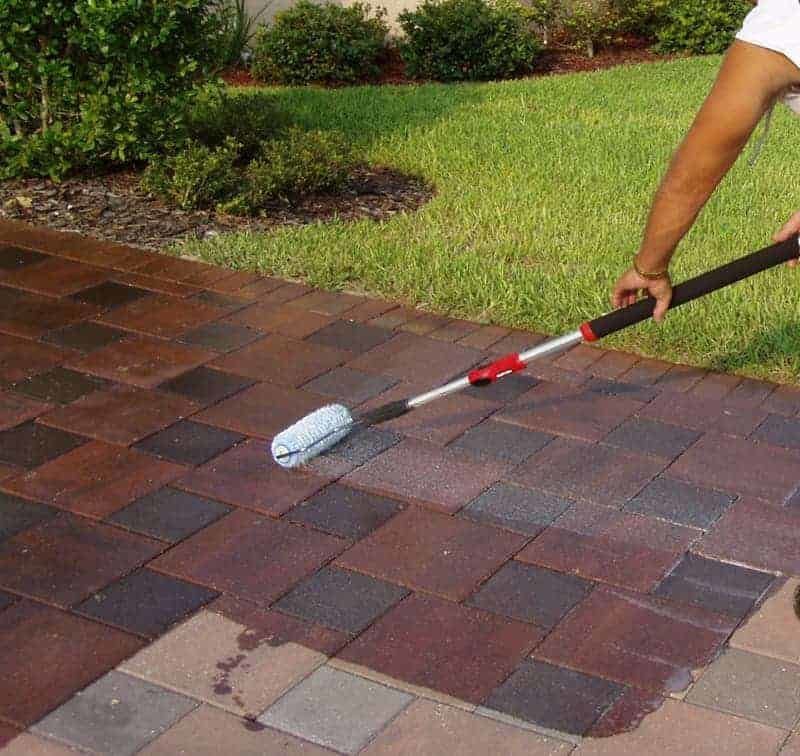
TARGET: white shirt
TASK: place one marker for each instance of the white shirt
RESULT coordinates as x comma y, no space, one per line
775,25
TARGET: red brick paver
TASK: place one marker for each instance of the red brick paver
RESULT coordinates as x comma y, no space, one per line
532,554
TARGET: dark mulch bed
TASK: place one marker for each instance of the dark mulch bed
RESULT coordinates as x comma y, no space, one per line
558,59
631,50
114,207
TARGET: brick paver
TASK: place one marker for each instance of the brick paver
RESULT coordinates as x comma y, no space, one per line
509,570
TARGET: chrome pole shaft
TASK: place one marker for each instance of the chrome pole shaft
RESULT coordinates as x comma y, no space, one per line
545,349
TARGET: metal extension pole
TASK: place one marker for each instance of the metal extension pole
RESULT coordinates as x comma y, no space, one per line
545,349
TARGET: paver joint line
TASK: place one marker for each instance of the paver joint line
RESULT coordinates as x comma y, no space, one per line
555,555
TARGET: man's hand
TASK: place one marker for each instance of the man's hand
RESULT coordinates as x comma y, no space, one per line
792,226
750,80
631,285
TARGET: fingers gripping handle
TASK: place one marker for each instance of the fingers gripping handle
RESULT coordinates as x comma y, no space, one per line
694,288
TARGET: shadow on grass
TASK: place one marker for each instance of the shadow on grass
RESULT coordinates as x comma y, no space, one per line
367,114
779,346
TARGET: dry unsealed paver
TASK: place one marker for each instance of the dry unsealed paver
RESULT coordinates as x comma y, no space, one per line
430,728
757,687
516,508
27,744
336,709
678,727
208,731
773,629
698,414
217,660
117,714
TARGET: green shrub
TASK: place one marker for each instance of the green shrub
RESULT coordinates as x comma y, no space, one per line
451,40
285,168
97,82
589,23
197,176
301,162
544,14
248,117
237,30
701,27
640,17
321,43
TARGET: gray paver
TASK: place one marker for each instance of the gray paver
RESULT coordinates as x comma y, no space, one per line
336,709
516,508
117,715
753,686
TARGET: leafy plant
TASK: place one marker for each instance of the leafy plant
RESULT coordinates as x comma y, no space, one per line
299,163
285,168
248,117
237,29
453,40
97,82
701,27
321,43
641,17
544,14
196,176
590,23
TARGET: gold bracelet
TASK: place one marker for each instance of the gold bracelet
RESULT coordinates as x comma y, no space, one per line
649,276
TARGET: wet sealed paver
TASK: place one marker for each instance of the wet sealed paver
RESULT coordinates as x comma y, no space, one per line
542,566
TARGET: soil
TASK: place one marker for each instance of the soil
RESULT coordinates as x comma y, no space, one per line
114,207
628,51
558,59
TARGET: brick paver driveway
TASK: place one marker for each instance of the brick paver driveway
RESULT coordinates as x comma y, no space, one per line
597,555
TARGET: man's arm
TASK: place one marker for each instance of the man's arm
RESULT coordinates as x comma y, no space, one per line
749,81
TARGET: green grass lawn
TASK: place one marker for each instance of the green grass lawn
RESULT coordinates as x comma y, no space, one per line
543,186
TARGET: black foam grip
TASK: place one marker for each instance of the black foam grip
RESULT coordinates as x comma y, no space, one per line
697,287
383,413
